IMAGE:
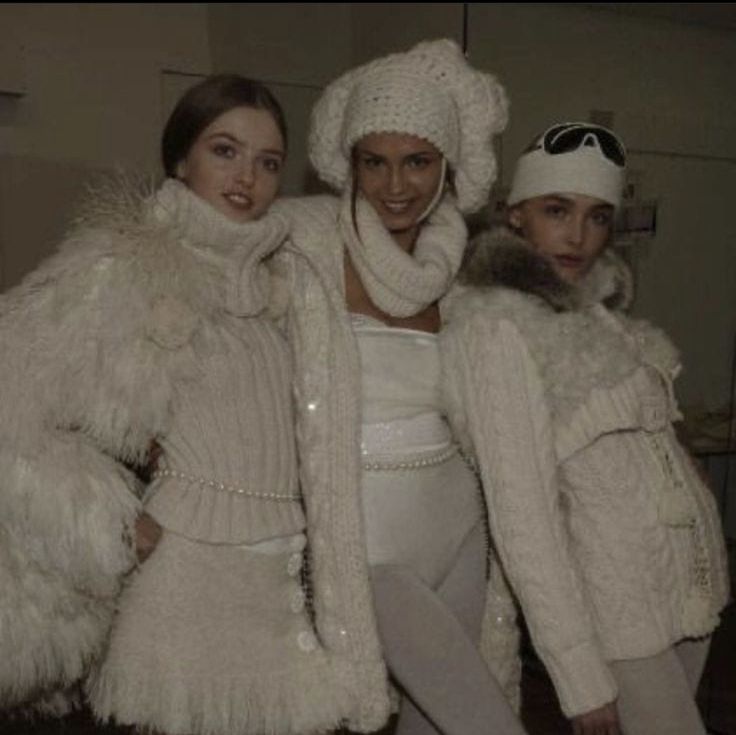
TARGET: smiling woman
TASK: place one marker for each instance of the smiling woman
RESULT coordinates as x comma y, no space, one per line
402,177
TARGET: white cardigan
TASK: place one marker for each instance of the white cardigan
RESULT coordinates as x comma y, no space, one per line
608,536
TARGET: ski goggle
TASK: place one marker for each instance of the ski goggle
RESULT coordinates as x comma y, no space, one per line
568,137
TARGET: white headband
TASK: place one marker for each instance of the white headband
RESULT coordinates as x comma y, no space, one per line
571,158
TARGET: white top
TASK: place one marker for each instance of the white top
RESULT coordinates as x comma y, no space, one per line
401,398
420,505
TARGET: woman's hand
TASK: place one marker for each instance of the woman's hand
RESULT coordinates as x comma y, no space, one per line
601,721
147,536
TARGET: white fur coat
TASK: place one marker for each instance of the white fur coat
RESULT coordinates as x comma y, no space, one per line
91,345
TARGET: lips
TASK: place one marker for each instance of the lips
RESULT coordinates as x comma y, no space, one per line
238,199
398,207
570,261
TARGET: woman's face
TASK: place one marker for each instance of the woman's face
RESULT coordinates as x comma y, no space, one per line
399,175
568,230
235,163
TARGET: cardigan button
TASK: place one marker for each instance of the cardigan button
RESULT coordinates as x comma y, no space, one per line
306,641
297,601
294,565
653,416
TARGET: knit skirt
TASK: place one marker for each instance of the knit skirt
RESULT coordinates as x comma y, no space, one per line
214,639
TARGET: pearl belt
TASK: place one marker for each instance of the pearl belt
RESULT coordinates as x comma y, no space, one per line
225,487
410,462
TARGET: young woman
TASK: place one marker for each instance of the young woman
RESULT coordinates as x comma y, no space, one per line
150,324
407,140
608,536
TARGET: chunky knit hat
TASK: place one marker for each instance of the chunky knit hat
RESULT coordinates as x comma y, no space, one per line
573,158
431,92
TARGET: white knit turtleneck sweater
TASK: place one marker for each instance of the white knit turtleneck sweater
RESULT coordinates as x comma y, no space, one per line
229,465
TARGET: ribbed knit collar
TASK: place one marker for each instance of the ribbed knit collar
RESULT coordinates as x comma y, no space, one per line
399,283
235,250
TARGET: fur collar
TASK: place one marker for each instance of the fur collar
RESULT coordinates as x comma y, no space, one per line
501,258
170,235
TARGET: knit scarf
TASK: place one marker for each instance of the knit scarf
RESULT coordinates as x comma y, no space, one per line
234,251
402,284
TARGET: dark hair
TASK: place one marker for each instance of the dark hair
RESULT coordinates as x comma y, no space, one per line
205,102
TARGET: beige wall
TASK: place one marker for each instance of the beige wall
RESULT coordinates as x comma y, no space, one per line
94,94
101,78
296,48
380,28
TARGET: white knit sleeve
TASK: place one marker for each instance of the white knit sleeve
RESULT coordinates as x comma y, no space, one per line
510,425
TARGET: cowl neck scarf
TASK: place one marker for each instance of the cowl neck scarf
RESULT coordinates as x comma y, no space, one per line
399,283
234,250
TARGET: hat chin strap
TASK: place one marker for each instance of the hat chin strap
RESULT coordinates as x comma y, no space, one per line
437,195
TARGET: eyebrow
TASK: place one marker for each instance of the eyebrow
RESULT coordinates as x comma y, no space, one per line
423,152
558,198
237,141
567,200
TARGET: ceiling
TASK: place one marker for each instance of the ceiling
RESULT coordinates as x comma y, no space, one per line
714,15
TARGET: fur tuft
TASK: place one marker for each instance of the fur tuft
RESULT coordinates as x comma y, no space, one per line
114,201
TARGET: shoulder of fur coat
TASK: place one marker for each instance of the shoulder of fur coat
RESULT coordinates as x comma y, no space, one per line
90,350
500,258
90,337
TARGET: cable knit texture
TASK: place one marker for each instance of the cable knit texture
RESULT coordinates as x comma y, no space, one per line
609,538
399,283
144,325
429,91
327,390
328,419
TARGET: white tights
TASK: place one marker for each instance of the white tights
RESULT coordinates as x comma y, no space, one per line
657,693
430,640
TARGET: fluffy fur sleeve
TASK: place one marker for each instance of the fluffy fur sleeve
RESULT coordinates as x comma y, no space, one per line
508,421
85,381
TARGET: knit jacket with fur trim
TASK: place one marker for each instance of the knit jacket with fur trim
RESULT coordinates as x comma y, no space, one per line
310,269
609,538
152,304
